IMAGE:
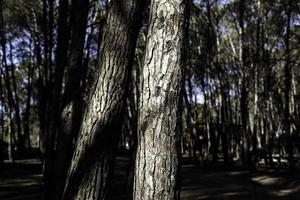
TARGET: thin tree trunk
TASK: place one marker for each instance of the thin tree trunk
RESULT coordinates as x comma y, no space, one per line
2,156
50,39
7,82
21,136
244,90
26,120
287,91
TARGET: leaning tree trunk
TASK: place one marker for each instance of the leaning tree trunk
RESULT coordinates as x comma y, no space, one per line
156,173
91,165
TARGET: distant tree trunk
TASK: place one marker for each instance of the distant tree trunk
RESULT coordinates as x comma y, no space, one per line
244,90
91,166
224,123
26,120
191,133
212,51
11,156
132,103
207,112
1,92
21,136
191,114
10,79
38,62
2,114
46,72
270,121
287,91
256,67
50,40
157,160
89,49
7,82
207,118
43,77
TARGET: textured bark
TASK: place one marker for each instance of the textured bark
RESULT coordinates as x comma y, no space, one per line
156,174
92,160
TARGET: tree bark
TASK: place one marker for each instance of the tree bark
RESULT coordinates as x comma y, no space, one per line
156,174
91,165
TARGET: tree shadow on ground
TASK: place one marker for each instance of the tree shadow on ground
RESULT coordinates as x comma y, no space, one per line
212,183
23,181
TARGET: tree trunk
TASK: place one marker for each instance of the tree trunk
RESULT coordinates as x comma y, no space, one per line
61,60
287,89
7,82
26,121
21,136
246,139
91,165
72,97
2,114
157,160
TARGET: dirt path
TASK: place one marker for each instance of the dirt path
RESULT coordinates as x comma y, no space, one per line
23,181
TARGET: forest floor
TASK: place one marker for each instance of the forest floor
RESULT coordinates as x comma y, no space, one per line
23,181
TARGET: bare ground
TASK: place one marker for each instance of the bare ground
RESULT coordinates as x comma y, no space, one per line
23,181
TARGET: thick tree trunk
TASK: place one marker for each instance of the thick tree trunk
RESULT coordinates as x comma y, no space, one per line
91,166
156,174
